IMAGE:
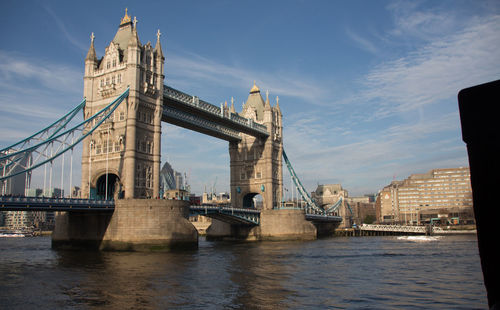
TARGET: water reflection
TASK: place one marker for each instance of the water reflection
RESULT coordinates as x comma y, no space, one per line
367,272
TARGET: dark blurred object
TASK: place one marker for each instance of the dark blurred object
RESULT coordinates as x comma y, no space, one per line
480,131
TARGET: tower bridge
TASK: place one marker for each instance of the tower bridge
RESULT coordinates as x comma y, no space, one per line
121,157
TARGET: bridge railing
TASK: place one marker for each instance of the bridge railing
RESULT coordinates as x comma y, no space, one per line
54,201
194,101
393,228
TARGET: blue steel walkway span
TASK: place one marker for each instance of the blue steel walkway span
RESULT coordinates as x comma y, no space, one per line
54,204
192,113
227,214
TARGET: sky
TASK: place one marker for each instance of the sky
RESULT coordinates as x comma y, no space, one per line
368,89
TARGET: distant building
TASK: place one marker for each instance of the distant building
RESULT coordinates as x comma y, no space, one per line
176,194
363,209
34,192
386,208
328,194
16,185
36,219
438,196
221,198
18,219
170,179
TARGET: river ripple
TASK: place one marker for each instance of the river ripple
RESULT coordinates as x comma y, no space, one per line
334,273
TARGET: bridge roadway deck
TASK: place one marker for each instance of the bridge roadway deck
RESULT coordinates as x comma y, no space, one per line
224,213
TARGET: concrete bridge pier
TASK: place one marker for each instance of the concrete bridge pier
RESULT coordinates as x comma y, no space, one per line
274,225
135,225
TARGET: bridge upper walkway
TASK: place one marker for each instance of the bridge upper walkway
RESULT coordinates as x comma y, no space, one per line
192,113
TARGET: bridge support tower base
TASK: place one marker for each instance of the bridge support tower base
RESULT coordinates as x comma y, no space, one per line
274,225
135,225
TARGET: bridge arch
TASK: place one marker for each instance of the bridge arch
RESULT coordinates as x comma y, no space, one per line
98,184
253,201
111,186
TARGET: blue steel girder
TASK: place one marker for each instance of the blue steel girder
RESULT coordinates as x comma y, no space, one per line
59,142
192,105
54,204
45,133
323,218
186,120
229,215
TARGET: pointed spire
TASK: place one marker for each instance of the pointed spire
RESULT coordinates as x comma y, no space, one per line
134,38
158,50
278,104
125,19
91,55
267,106
232,106
254,89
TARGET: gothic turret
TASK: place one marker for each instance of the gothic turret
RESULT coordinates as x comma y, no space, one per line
254,107
91,55
130,144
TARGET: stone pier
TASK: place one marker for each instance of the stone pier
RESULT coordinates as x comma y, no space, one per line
135,225
278,225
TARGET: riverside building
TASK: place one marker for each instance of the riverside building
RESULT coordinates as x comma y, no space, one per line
439,196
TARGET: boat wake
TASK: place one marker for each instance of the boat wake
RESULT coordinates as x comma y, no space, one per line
419,238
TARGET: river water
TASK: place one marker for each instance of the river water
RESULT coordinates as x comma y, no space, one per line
334,273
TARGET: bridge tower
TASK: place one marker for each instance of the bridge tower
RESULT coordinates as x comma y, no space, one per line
256,164
122,157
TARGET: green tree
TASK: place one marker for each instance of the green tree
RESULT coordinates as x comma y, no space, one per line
369,219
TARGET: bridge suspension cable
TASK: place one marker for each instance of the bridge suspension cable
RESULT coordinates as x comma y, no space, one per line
45,133
310,203
50,143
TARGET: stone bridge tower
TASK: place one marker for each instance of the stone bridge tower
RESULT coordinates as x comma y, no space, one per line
256,164
122,157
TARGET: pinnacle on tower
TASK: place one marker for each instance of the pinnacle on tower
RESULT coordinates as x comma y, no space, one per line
267,106
126,18
91,55
158,50
278,105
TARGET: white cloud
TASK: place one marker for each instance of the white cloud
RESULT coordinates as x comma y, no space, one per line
362,42
79,45
33,94
21,73
437,71
185,70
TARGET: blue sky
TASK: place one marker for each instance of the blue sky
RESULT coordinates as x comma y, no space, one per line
367,88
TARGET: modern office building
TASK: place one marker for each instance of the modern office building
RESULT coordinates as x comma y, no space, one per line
438,196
